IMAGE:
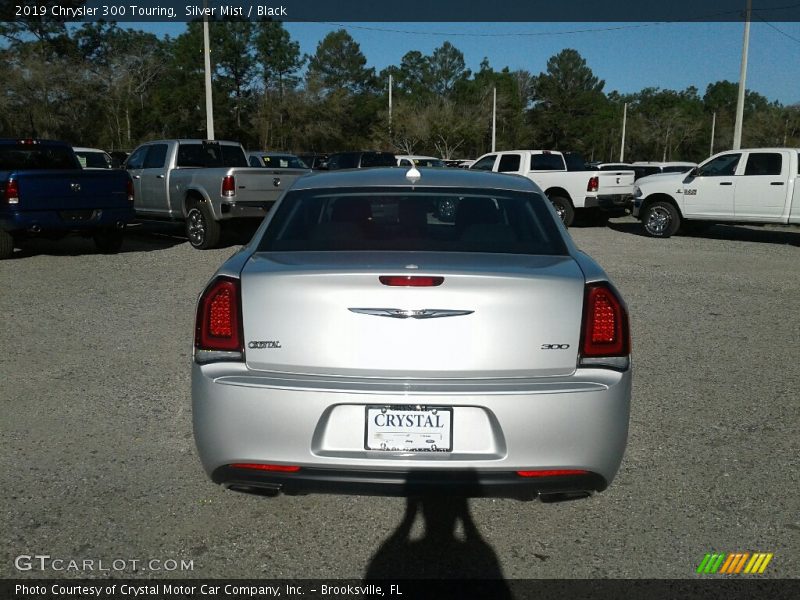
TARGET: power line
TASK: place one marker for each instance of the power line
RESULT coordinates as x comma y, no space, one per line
513,34
791,37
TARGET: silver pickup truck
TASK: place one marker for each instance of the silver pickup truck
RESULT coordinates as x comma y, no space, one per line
202,183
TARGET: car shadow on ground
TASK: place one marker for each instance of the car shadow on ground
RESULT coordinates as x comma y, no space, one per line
763,235
449,547
138,238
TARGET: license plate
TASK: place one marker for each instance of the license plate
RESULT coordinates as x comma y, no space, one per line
418,429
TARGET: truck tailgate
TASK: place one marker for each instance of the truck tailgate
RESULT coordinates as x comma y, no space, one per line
71,189
615,183
263,184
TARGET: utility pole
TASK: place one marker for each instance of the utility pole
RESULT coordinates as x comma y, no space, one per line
624,122
494,117
390,106
207,57
737,130
713,128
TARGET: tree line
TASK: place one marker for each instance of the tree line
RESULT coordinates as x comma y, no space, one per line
111,87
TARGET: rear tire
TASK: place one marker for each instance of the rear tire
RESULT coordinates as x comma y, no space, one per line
6,245
661,219
564,209
201,228
109,241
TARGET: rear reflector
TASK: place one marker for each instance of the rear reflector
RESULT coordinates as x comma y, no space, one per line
605,328
552,473
262,467
593,185
129,189
411,280
219,324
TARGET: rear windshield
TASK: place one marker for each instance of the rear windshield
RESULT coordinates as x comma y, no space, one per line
547,162
286,161
378,159
436,220
211,155
36,156
94,160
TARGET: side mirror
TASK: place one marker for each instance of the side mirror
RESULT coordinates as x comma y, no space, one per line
695,172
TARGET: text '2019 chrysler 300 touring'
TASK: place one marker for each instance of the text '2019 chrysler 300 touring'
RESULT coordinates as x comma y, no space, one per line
360,345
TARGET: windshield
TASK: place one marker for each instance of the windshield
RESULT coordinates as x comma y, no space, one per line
438,220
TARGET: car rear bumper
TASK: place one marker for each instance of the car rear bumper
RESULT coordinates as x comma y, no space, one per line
66,220
404,483
244,210
500,426
615,202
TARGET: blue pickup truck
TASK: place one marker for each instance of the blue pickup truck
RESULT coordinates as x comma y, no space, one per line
44,191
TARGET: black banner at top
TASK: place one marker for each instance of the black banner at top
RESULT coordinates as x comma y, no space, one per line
400,11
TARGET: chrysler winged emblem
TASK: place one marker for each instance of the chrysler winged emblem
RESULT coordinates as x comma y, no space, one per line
402,313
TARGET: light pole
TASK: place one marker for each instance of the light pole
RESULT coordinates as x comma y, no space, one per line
390,107
624,122
713,128
207,66
737,130
494,117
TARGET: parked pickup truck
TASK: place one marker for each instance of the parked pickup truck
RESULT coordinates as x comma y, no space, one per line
203,183
753,186
605,193
44,191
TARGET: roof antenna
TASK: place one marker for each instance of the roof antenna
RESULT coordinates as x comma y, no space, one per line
413,175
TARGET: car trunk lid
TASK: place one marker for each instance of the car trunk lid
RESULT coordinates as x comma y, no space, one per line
491,315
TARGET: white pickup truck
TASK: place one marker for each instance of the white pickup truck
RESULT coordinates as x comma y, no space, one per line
605,193
202,183
752,186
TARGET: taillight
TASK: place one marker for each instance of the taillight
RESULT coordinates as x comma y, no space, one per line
411,280
129,189
593,185
605,330
228,186
218,325
11,193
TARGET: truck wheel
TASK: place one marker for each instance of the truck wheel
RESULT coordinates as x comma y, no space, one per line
201,228
6,245
564,209
108,241
661,219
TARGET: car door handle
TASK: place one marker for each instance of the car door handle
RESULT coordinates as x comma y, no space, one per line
776,183
726,183
159,177
137,176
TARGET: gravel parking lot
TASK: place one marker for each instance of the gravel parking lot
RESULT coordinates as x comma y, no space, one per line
98,459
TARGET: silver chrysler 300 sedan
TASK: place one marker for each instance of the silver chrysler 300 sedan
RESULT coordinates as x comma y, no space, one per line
360,345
